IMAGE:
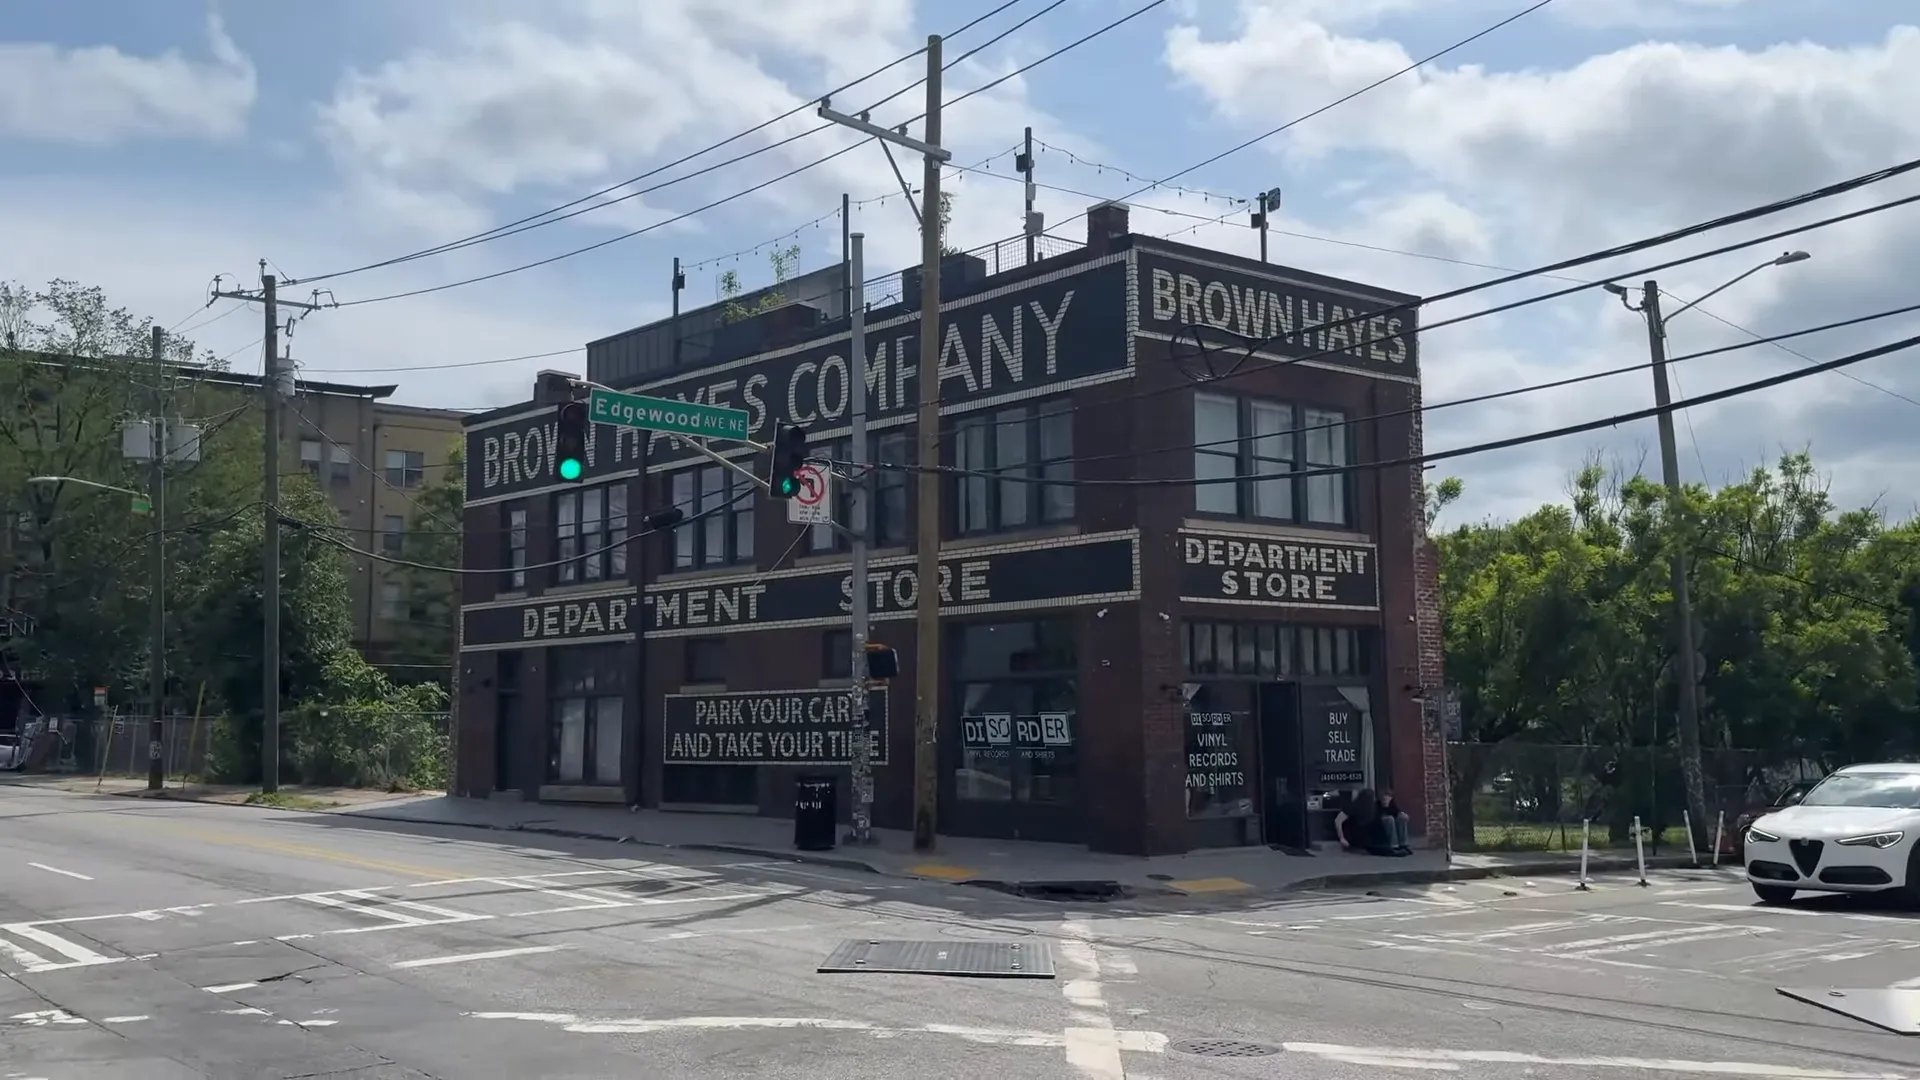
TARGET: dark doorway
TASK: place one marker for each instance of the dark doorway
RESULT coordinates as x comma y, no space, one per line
1283,765
507,775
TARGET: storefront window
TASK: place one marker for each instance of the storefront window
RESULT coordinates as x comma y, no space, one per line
1220,734
585,710
1273,651
1019,712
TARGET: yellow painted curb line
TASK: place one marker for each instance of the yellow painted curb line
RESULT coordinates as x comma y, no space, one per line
1210,885
943,873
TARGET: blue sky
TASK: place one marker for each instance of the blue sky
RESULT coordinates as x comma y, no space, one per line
147,151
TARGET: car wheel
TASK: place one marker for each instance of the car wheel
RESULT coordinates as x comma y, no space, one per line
1910,889
1772,894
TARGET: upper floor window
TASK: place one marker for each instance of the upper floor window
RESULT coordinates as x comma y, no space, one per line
1030,441
1246,450
590,532
406,468
719,528
393,535
514,522
887,493
315,455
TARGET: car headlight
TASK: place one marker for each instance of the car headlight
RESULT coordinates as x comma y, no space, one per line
1877,840
1761,835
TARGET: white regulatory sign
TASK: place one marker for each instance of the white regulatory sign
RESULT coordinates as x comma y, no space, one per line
814,504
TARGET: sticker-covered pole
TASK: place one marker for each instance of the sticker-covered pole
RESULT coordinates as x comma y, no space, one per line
860,524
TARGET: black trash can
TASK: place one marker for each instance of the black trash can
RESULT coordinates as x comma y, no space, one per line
815,813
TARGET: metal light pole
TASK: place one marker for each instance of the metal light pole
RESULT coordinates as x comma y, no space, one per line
1687,669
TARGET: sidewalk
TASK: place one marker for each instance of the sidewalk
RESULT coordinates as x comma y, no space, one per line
1025,867
1017,866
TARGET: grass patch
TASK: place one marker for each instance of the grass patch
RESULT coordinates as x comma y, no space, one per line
1544,837
288,801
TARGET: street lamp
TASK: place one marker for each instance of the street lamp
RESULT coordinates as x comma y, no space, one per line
1688,667
157,642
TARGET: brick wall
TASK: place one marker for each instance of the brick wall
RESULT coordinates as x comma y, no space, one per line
1431,647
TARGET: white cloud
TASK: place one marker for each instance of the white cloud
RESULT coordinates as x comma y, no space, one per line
98,96
1531,166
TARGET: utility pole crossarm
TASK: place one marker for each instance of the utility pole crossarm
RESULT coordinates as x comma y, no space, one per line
926,149
257,298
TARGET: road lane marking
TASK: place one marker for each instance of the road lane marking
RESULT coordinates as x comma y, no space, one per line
1146,1042
78,954
464,958
229,988
1452,1059
1906,984
1092,1045
57,870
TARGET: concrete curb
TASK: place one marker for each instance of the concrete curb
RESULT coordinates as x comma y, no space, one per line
1542,868
1078,889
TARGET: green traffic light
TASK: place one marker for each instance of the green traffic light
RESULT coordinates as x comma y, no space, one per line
570,468
787,485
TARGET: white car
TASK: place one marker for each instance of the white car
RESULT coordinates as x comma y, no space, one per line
1855,831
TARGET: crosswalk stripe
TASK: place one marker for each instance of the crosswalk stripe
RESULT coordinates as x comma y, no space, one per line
78,954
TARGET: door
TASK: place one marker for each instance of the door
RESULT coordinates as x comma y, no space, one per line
1283,771
506,741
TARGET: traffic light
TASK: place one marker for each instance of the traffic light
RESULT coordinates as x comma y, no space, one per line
789,456
882,662
570,441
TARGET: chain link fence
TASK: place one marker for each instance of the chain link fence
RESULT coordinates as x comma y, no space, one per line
1000,256
325,747
1516,796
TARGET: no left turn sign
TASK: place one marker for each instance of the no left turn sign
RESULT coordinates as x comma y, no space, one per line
814,503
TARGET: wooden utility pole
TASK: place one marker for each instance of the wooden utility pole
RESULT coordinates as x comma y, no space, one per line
926,652
270,389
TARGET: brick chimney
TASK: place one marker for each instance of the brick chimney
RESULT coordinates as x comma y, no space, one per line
1106,224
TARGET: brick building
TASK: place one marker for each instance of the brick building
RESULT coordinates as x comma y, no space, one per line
1135,661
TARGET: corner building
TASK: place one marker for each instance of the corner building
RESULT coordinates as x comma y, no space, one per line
1144,667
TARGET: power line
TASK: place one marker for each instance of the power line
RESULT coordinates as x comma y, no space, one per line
1513,391
748,191
550,217
317,529
1336,103
502,230
1755,213
1439,455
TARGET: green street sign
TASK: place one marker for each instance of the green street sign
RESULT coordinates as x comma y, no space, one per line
140,505
662,414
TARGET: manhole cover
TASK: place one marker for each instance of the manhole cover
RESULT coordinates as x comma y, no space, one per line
1224,1048
976,959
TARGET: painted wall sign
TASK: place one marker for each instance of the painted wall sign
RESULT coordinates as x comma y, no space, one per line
518,455
1054,331
769,727
1100,568
551,620
1176,293
1239,568
1330,729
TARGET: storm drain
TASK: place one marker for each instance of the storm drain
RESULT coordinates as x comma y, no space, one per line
1223,1048
966,959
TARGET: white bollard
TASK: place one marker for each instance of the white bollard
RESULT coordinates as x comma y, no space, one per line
1719,835
1586,844
1686,822
1640,851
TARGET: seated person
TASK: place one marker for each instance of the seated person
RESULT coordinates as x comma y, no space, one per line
1361,828
1398,828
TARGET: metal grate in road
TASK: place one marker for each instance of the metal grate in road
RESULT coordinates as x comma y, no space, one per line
969,959
1223,1048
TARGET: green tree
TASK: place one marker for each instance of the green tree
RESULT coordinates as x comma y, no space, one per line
1558,631
781,261
426,648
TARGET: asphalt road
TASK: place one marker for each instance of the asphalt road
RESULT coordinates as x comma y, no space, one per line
179,940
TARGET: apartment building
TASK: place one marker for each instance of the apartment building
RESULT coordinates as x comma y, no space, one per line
373,458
